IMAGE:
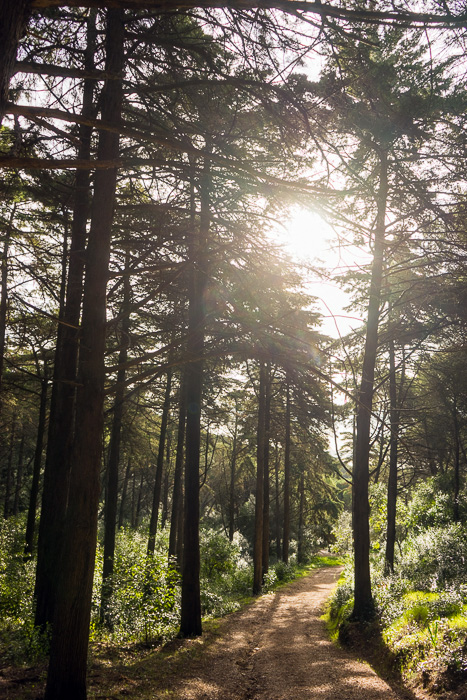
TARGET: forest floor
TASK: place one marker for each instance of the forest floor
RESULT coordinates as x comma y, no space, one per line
276,648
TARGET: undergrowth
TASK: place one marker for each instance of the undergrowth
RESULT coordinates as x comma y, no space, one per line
421,609
145,603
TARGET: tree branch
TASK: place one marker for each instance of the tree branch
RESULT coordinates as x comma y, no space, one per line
61,71
400,16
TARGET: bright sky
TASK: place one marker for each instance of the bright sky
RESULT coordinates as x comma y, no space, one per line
310,240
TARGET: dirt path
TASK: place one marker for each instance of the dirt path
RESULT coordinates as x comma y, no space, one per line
278,649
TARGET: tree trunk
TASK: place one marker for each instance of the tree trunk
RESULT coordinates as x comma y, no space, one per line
159,466
70,634
111,501
36,472
4,300
286,533
457,462
382,451
266,485
133,501
19,476
177,496
392,480
14,19
259,504
301,515
277,503
126,479
233,464
3,322
137,502
363,603
180,528
191,604
8,475
165,485
62,404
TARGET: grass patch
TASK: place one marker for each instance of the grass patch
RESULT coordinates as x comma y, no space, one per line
326,560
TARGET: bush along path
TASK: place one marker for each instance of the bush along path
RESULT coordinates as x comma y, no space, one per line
276,648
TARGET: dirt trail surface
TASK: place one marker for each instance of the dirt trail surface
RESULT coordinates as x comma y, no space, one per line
278,649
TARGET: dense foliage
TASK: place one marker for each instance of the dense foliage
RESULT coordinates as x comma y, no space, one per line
145,606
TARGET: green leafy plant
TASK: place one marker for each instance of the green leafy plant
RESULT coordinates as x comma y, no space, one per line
19,640
433,632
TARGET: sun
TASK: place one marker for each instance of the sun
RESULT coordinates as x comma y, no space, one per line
312,243
307,237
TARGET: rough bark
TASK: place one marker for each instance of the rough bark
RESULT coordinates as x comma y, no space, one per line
233,464
266,484
70,637
363,606
8,474
19,476
14,17
301,517
393,449
62,404
181,528
4,300
166,480
159,466
136,500
133,501
177,495
277,503
259,496
457,462
286,533
111,500
190,624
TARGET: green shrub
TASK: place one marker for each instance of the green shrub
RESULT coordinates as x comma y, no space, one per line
342,535
270,580
341,602
19,640
429,638
215,604
241,582
227,574
145,605
431,505
16,572
436,557
285,572
388,593
340,607
219,556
